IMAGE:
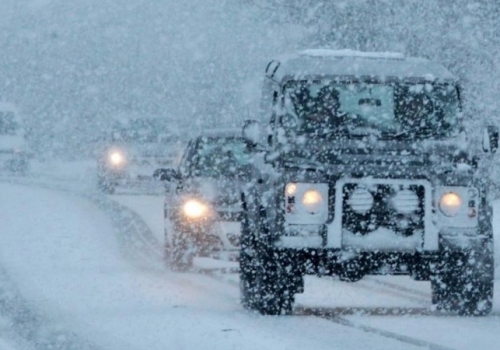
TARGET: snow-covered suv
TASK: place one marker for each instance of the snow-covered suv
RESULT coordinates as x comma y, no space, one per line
370,172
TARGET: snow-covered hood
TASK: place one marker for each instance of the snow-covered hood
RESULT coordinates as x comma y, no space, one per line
11,143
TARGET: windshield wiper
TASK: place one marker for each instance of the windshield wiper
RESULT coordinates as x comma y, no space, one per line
396,136
417,133
355,132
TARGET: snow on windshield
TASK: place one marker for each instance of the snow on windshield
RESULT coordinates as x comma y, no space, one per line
216,157
425,109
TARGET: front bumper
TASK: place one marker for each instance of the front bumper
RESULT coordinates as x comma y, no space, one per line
419,264
212,235
390,235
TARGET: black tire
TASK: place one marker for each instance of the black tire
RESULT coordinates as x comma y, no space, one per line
248,290
178,254
275,289
265,285
465,284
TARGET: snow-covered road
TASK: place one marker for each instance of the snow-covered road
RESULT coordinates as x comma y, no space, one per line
88,270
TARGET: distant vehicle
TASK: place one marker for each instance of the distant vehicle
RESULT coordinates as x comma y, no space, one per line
371,173
133,150
202,203
13,147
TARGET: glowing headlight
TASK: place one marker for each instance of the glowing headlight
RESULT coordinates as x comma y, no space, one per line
306,203
116,158
450,204
291,189
312,201
194,209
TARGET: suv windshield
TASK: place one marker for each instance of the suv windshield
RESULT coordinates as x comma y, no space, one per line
8,125
219,156
386,109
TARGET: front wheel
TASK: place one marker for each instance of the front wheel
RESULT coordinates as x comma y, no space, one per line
265,287
265,283
178,252
465,284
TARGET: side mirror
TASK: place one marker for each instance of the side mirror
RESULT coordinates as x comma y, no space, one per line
251,132
168,175
490,139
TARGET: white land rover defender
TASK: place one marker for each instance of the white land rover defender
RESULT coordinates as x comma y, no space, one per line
369,171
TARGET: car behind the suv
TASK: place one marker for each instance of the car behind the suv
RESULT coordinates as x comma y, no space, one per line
202,203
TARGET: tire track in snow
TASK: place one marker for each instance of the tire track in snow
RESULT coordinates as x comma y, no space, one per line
332,317
398,287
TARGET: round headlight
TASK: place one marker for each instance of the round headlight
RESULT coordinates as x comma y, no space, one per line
194,209
116,158
312,201
450,203
291,189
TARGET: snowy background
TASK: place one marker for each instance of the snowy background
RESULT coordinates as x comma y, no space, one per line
73,65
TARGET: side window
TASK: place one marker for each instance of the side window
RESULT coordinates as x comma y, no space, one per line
187,157
272,122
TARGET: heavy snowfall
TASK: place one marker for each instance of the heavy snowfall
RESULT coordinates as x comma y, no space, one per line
82,258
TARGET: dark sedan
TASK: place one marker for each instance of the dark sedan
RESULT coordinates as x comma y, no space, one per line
202,205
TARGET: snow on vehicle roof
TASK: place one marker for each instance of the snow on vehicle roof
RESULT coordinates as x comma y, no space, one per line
351,53
223,132
351,63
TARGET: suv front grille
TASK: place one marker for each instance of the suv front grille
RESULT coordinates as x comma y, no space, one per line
368,207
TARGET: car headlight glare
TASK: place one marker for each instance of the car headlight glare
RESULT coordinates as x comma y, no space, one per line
450,203
291,189
194,209
312,201
116,158
306,203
